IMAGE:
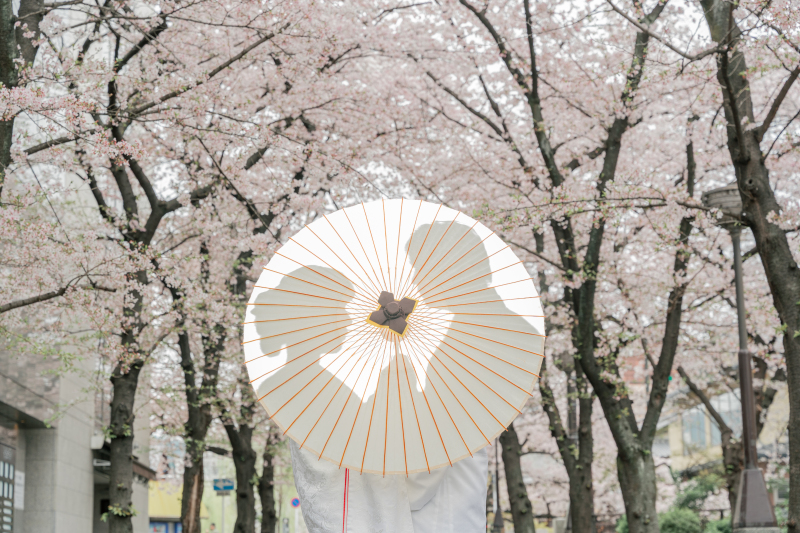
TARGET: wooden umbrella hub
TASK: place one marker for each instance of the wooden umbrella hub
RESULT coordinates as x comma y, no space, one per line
392,313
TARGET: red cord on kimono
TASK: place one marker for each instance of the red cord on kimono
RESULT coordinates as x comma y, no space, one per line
344,510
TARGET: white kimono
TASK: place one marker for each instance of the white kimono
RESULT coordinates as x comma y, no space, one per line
448,500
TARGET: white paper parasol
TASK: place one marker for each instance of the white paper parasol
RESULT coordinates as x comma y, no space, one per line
394,337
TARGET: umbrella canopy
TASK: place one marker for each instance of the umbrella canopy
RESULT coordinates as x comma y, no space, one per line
394,337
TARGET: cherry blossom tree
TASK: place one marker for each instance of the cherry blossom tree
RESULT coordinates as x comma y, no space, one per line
758,108
199,137
154,107
552,154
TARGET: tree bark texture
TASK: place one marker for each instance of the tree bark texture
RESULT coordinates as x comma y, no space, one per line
577,454
199,410
521,508
200,396
124,381
758,200
12,43
266,488
240,434
244,460
9,78
120,488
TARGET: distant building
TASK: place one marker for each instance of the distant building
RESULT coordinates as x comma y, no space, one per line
164,504
53,458
691,439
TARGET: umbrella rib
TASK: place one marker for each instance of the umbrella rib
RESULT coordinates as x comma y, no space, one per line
366,361
304,368
492,301
470,281
491,355
482,314
443,405
397,254
385,242
416,416
303,265
489,327
451,265
307,366
446,254
296,305
425,397
419,271
372,414
490,370
295,344
410,241
360,404
429,302
313,379
480,380
364,270
400,402
386,420
309,295
296,330
360,244
421,247
355,296
333,375
433,356
500,343
364,288
372,237
295,318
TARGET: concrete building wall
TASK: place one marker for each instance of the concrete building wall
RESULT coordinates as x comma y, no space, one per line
59,478
56,462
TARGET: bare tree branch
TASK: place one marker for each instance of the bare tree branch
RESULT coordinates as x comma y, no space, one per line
646,29
144,107
776,104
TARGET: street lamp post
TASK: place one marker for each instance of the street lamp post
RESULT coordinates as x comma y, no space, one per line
753,512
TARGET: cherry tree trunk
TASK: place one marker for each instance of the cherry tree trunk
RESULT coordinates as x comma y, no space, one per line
124,381
244,460
13,43
637,480
120,489
195,430
192,496
576,450
581,486
8,78
521,508
580,498
199,400
266,491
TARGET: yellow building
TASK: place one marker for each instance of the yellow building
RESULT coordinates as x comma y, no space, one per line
690,437
164,504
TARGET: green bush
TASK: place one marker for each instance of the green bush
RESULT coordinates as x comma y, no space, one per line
678,520
622,524
719,526
695,492
675,520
